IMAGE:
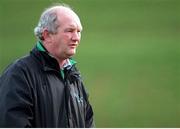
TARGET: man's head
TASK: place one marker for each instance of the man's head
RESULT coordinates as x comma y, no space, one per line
59,29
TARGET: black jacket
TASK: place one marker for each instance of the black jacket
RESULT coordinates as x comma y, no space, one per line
34,94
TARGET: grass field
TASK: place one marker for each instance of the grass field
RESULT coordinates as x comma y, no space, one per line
129,55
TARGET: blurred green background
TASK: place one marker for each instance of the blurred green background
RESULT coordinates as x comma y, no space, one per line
129,55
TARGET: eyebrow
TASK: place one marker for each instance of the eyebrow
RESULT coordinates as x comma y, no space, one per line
79,27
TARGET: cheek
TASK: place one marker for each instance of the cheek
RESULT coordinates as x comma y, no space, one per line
61,45
67,37
64,38
62,41
57,44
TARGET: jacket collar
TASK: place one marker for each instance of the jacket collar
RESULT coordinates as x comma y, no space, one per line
46,62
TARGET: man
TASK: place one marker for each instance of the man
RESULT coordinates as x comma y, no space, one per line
44,89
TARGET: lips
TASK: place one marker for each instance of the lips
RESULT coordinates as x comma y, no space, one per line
73,45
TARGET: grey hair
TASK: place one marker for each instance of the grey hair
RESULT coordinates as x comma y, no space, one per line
48,20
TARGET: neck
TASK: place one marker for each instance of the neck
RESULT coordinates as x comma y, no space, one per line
61,62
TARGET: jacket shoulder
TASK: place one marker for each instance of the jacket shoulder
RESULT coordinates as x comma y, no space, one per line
22,63
22,67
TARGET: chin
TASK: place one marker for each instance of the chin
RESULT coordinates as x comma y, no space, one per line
70,54
73,52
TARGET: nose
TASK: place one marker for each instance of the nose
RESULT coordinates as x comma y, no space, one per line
76,36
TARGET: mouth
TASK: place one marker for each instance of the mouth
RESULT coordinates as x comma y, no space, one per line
73,45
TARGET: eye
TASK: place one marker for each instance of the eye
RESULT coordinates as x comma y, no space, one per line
78,31
68,30
71,30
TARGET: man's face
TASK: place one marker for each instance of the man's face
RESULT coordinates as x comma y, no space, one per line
67,38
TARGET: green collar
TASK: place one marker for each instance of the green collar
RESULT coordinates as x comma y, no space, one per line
40,47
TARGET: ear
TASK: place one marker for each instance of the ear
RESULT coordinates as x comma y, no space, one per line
46,36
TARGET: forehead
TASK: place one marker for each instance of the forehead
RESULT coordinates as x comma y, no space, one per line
67,17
